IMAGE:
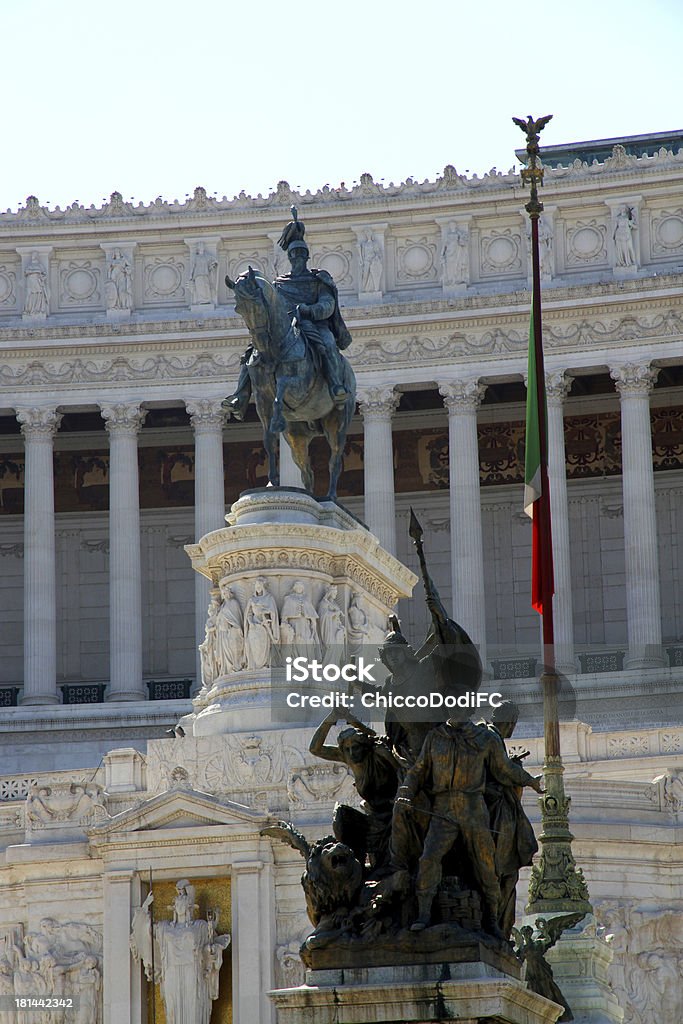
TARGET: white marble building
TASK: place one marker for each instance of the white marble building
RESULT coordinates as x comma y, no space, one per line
119,340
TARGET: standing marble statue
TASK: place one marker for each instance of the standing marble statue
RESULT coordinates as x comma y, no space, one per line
201,276
358,627
261,626
229,633
370,263
332,632
187,956
119,288
37,299
455,256
624,227
208,653
300,617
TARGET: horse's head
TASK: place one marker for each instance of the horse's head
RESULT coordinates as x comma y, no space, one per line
251,294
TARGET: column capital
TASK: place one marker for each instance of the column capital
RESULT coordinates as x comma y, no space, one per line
123,417
557,386
206,414
634,380
378,402
462,396
39,424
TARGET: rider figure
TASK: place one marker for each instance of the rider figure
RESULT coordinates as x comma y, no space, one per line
312,301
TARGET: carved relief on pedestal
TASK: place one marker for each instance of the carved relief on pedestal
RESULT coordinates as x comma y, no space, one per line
331,621
261,626
60,961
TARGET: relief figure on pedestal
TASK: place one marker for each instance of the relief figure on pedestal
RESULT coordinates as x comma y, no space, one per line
229,633
208,650
624,228
37,299
262,626
299,618
358,627
332,632
187,956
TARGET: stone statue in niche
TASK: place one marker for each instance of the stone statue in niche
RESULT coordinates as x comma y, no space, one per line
455,257
332,632
229,633
624,228
300,618
208,652
37,299
261,626
371,259
202,284
119,287
188,955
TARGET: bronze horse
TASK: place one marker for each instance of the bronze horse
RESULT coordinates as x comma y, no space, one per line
286,378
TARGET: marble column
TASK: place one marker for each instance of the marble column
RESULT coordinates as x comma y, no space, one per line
121,977
253,941
207,419
377,405
634,383
462,399
123,421
289,471
558,384
39,427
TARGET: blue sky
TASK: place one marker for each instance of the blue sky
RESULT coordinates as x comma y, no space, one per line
152,98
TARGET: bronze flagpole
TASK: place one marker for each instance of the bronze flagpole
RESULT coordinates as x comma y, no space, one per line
556,886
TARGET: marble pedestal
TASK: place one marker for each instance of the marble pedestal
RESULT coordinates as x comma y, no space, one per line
471,993
283,536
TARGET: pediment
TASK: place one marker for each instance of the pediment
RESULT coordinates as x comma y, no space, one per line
180,808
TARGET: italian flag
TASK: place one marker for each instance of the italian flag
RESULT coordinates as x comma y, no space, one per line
536,492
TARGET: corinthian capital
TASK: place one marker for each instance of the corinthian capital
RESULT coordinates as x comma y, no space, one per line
557,386
123,417
378,402
39,424
634,380
206,414
462,396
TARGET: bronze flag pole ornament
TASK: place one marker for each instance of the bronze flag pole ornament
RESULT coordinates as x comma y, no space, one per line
556,886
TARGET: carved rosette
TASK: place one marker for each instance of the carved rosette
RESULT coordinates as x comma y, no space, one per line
634,380
378,403
462,397
123,418
39,424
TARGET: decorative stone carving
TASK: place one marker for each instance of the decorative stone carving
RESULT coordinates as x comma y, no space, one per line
291,968
316,784
39,423
229,626
79,283
336,260
416,260
123,418
634,379
378,402
455,255
299,623
586,243
7,286
332,631
545,246
462,396
203,281
36,293
625,227
371,261
187,957
261,626
501,253
58,961
73,804
118,291
357,626
163,277
666,233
